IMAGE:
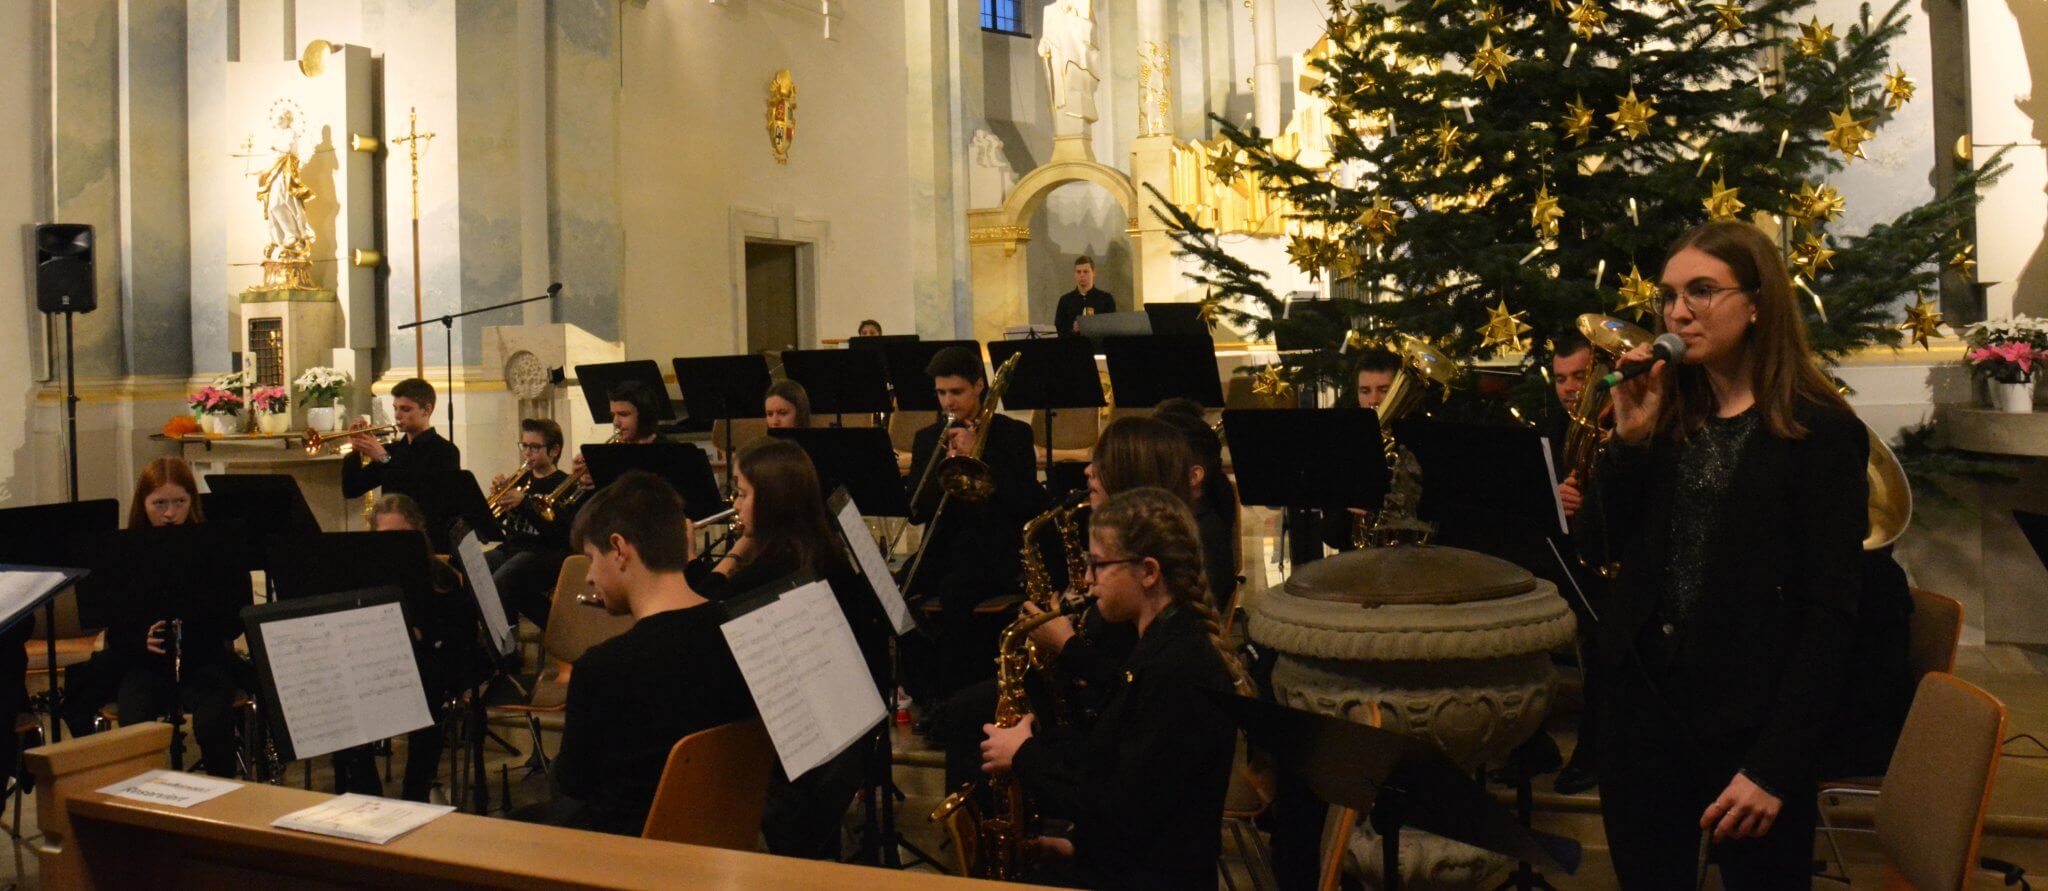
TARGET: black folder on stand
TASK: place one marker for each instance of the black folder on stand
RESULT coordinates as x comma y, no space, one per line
840,382
597,381
685,467
1306,457
1145,371
862,460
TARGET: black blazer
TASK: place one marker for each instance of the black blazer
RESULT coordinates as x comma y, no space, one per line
1767,652
1145,786
427,451
989,534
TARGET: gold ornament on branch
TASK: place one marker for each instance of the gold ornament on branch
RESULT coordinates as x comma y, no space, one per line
1846,133
1224,165
1308,255
1898,89
1270,382
1377,222
1812,203
1545,213
1922,322
1450,141
1490,63
1814,38
1964,260
1723,203
1504,329
1728,17
1638,295
1578,120
1587,19
1632,119
1812,255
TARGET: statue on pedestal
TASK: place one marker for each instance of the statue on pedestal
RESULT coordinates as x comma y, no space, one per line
1068,49
287,258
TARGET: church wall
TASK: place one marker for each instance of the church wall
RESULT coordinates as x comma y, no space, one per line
22,199
698,170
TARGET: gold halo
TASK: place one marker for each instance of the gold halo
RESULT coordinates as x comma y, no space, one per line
313,61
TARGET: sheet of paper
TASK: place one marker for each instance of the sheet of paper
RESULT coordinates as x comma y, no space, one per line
19,589
346,678
172,787
806,675
486,589
363,818
1563,525
874,566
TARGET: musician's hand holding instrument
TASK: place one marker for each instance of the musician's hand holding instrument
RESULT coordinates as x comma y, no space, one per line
1568,495
365,444
1051,636
1001,743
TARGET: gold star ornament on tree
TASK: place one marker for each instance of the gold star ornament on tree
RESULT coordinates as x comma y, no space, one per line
1632,119
1812,255
1545,213
1846,134
1922,322
1814,38
1450,141
1638,296
1723,203
1308,255
1270,382
1490,63
1898,89
1587,19
1504,329
1728,17
1964,260
1813,203
1377,222
1224,165
1578,120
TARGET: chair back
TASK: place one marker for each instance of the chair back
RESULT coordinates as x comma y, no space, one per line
1073,428
573,627
745,431
1930,812
715,788
903,427
1933,634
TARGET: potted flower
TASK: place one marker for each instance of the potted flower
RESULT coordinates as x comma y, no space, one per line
2003,353
236,382
219,411
271,405
320,390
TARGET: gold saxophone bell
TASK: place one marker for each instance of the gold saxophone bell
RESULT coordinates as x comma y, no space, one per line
317,441
1421,366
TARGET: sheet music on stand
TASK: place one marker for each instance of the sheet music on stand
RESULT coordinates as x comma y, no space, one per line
339,670
805,672
23,588
471,550
873,565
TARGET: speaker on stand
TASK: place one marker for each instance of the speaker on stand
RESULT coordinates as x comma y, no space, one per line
64,284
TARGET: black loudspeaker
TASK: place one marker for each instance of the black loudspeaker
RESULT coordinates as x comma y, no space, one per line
64,279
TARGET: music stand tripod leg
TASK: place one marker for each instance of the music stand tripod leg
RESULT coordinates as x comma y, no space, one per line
1389,812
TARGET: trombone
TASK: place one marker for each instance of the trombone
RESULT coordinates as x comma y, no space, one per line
965,477
317,441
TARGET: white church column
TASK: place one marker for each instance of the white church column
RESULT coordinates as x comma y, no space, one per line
1266,83
1152,154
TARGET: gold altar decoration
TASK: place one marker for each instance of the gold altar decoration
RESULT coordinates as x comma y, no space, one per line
781,115
1155,92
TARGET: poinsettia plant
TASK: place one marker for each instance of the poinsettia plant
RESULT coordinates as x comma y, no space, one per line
214,401
321,385
2007,350
269,399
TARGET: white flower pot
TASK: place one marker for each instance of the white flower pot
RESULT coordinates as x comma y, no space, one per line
274,422
323,418
2017,398
221,424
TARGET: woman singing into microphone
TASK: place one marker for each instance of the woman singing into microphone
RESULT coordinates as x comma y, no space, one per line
1734,487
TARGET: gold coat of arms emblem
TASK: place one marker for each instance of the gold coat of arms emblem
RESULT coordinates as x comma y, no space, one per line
781,115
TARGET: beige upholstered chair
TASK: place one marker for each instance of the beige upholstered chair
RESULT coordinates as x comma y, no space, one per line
715,788
1930,812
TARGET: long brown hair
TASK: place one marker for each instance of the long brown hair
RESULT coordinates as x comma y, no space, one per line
1781,364
794,394
790,526
165,471
1156,523
1135,452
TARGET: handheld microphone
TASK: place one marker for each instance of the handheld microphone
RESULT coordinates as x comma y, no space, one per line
554,290
1669,347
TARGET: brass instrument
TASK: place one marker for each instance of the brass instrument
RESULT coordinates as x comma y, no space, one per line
1891,496
317,441
967,477
521,480
989,844
568,493
1611,338
1421,366
1038,583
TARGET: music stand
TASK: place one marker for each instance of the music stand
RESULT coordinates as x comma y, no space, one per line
685,467
1145,371
328,705
1177,319
840,382
878,342
42,534
1313,313
446,497
23,588
722,388
906,362
1304,458
1495,468
315,564
1399,781
2035,527
1114,324
860,460
1053,373
597,381
284,505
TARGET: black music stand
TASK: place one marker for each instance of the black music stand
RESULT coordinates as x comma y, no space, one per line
906,362
197,571
1496,468
1177,319
22,603
1311,314
2035,527
42,534
1399,781
840,382
256,618
447,497
264,504
315,564
860,460
722,388
597,381
1306,458
1094,328
1145,371
878,342
1054,373
685,467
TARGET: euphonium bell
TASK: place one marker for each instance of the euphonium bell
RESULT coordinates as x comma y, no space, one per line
1611,338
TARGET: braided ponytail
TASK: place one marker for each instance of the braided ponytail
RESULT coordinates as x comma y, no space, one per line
1152,522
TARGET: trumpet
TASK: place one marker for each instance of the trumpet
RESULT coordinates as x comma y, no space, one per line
568,493
317,441
520,480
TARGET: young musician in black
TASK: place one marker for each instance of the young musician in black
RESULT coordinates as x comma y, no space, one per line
1734,488
524,566
973,553
1571,363
1145,785
1084,300
418,448
1215,504
786,405
636,414
633,697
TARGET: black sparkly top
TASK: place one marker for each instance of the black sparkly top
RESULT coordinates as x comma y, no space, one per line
1705,467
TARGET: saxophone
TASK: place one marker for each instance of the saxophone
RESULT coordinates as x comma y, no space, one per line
989,845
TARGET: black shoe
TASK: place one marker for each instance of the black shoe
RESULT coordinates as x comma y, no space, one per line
1574,779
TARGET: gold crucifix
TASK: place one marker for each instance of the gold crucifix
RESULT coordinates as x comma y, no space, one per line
412,140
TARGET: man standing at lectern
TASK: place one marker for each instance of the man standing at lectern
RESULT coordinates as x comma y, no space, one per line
1083,300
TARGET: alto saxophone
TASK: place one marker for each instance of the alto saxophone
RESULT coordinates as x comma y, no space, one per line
989,844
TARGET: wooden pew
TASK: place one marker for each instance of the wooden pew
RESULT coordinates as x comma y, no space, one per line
95,841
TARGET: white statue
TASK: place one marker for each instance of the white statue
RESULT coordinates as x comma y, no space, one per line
282,193
1068,49
989,174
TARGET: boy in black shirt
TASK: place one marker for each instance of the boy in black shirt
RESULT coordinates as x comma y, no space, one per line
633,697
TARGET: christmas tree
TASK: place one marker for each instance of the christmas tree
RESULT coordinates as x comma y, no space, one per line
1499,167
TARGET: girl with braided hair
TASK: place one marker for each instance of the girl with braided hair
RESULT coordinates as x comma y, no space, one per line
1145,786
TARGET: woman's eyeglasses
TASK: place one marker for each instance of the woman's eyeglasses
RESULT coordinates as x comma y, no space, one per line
1095,565
1698,296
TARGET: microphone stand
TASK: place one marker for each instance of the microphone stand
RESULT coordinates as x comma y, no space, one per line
448,338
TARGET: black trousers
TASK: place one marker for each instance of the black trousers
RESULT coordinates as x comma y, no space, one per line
1657,776
207,694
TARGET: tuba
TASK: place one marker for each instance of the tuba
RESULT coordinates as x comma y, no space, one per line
1891,495
1611,338
989,844
1421,366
